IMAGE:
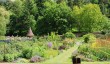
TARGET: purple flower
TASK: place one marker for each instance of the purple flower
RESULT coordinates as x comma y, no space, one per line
49,44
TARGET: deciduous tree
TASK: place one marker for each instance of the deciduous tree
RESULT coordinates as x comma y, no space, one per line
4,20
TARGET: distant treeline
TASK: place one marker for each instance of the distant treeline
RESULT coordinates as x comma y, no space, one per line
59,16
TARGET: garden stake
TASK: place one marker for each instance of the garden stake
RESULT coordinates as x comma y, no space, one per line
76,60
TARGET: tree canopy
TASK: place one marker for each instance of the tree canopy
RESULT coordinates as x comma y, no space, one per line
59,16
56,18
4,20
89,18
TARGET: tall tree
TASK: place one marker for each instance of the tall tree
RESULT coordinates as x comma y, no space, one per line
24,14
4,20
89,18
57,18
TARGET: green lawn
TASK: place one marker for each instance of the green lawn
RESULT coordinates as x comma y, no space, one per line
95,63
62,57
81,63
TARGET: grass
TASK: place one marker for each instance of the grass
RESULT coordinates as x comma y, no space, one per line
62,57
81,63
95,63
87,63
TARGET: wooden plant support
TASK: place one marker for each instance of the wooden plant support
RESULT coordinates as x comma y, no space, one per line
30,33
76,60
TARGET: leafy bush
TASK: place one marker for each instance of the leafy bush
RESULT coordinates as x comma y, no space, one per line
53,37
27,53
95,53
1,57
38,50
89,38
32,51
2,48
69,35
88,52
9,57
83,48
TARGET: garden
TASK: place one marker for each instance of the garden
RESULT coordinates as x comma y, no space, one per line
56,49
55,31
37,49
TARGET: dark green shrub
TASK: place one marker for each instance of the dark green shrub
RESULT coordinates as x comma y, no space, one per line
89,38
16,54
83,48
38,50
27,53
9,57
69,35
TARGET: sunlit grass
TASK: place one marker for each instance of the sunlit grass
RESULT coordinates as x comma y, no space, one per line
95,63
81,63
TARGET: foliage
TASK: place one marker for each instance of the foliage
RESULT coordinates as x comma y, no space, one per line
9,57
32,50
89,38
106,27
53,37
83,48
4,20
69,35
23,17
27,53
96,51
91,17
57,18
50,53
1,58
